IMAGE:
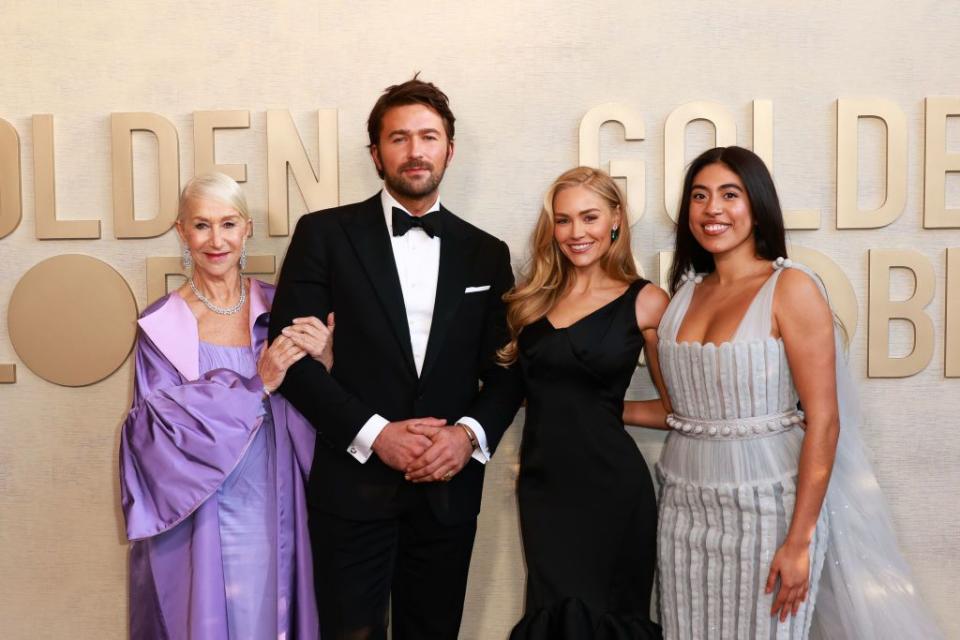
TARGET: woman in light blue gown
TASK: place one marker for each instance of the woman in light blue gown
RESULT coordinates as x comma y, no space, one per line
772,524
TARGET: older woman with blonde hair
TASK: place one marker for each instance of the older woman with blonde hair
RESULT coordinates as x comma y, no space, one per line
212,466
578,321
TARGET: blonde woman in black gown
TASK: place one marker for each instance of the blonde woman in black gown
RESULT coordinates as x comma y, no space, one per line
588,514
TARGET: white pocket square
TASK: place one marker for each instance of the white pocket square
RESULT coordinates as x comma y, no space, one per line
476,289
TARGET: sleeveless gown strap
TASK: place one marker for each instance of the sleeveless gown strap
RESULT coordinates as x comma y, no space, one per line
758,319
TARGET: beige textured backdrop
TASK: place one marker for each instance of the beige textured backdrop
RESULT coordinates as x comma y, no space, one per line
520,75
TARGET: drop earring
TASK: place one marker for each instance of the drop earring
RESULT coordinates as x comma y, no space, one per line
243,257
186,259
614,234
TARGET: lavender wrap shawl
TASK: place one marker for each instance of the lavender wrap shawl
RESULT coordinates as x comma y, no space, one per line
183,436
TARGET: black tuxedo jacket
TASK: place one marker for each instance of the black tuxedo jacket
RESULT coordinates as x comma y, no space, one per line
342,260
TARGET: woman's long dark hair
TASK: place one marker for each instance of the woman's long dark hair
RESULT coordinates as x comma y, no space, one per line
768,229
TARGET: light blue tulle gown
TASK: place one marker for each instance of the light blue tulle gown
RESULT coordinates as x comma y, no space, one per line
728,476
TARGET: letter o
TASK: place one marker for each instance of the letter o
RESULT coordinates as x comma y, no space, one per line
72,320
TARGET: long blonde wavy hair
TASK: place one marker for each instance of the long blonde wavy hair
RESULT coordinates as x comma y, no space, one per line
548,273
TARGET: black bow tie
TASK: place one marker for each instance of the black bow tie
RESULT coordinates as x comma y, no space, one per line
403,222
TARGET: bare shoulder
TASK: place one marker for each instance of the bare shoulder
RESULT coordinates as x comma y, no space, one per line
651,302
798,294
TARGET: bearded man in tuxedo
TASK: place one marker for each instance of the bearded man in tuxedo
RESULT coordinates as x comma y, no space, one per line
414,405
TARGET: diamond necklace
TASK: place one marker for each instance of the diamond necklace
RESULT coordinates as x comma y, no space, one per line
223,311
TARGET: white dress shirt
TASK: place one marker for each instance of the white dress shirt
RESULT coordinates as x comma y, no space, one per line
417,256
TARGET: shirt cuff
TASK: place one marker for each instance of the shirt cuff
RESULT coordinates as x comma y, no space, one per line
481,454
362,446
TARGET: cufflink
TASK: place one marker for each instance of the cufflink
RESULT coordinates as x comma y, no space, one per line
352,450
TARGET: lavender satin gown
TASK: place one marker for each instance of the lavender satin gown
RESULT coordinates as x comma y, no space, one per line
212,486
246,504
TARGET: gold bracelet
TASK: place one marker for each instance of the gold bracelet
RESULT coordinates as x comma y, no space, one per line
470,435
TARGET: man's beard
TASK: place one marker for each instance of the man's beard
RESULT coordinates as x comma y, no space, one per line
401,186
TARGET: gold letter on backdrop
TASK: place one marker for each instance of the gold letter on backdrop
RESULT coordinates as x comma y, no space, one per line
52,326
122,126
951,357
10,201
10,204
45,189
882,310
204,156
674,136
938,163
763,147
849,112
285,149
634,171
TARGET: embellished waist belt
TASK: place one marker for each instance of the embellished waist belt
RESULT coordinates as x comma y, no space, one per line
736,428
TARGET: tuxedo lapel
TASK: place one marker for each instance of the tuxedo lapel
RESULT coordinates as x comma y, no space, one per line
455,255
367,231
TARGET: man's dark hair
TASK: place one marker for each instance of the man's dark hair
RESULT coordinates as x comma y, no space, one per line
412,91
